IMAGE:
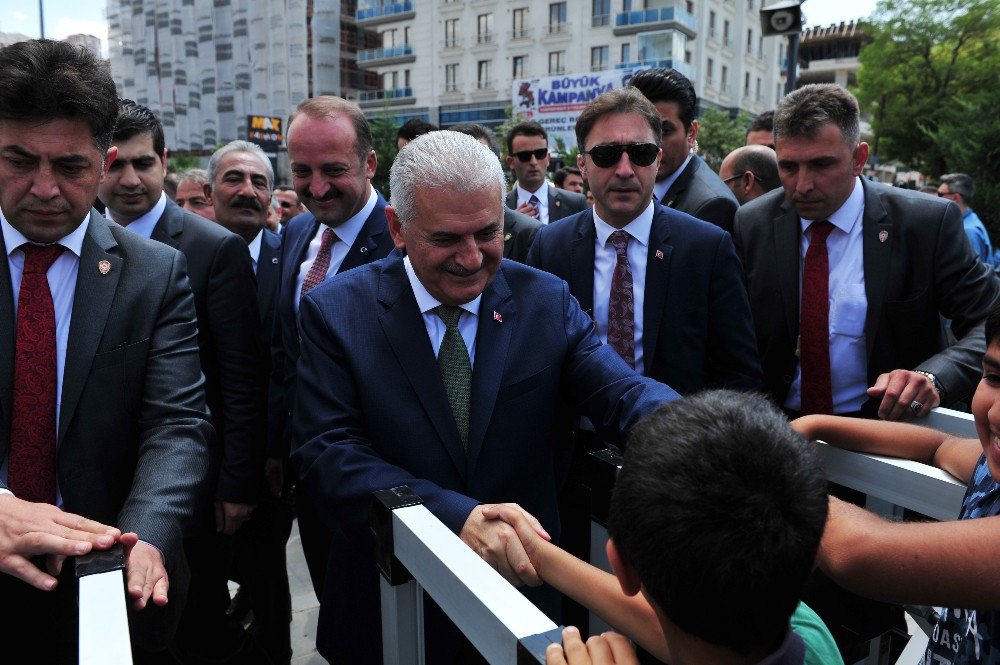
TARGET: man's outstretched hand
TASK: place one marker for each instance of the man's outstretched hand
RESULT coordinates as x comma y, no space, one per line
147,577
498,544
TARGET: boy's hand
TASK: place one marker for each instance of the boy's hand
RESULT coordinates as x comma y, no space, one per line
606,649
528,529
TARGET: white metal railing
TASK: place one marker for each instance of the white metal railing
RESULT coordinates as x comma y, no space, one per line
104,636
415,552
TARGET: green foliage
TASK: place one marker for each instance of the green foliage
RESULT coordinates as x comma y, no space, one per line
384,142
719,135
177,163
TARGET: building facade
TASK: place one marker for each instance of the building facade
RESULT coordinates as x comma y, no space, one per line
830,54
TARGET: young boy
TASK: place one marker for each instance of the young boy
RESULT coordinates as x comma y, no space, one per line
716,518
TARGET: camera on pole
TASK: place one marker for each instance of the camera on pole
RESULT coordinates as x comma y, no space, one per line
781,18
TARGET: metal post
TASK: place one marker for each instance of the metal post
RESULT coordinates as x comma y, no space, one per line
792,65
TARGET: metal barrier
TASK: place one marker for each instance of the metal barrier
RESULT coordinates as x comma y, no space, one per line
416,552
104,636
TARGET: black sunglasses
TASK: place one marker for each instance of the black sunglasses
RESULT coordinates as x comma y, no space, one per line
640,154
285,204
525,155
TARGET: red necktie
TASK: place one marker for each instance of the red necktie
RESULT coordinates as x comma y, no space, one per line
621,312
317,271
814,341
31,473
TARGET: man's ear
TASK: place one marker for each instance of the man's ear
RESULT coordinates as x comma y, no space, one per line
206,189
751,180
395,227
628,578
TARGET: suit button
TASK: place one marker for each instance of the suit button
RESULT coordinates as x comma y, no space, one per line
787,378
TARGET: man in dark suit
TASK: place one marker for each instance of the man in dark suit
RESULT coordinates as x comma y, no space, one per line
873,286
518,229
102,409
332,163
233,360
684,181
528,158
376,409
671,298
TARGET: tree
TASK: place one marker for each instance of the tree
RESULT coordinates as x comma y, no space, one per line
719,135
384,143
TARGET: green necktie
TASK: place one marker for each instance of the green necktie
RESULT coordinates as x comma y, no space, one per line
456,370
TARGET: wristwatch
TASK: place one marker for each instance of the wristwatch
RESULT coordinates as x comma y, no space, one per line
937,385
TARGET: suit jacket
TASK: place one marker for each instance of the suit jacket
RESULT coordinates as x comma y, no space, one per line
364,345
133,433
697,328
233,358
268,275
562,203
518,232
918,267
699,192
373,242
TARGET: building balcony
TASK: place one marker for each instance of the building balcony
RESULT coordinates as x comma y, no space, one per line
681,67
557,30
389,55
391,97
451,43
519,34
395,11
663,18
599,20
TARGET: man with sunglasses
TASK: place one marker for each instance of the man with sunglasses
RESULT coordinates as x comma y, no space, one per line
528,150
750,171
683,181
288,204
665,290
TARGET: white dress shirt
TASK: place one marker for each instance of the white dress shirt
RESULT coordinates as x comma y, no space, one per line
605,260
347,233
62,285
467,322
524,196
254,248
145,224
660,188
848,307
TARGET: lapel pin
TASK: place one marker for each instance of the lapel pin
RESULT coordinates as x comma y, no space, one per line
659,254
274,259
883,236
508,236
497,317
104,267
558,202
364,249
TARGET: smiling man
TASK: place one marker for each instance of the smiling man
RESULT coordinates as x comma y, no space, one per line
472,355
849,279
665,290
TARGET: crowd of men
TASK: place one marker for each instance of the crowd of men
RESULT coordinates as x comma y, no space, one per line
188,373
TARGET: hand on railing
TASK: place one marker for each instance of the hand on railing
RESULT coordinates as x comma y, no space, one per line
607,649
904,394
498,544
147,578
28,529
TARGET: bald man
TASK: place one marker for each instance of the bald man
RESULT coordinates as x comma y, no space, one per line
750,171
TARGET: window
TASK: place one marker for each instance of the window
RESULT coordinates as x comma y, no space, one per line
724,79
711,24
520,23
626,52
406,78
451,78
484,28
406,35
557,17
749,42
556,63
388,39
749,5
518,66
760,47
710,71
390,80
760,97
483,79
726,38
451,33
687,57
600,12
599,58
689,5
746,84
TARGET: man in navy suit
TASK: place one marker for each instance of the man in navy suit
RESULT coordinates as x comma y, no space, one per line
688,318
528,158
332,164
442,371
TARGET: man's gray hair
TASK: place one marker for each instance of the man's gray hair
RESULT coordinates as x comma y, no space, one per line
199,176
443,160
961,184
803,113
240,146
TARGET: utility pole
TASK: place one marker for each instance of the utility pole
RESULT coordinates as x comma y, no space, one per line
785,18
41,18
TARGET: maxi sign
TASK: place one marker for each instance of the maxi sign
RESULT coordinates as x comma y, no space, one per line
556,101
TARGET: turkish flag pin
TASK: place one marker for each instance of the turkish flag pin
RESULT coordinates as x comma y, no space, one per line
104,267
659,254
497,317
883,236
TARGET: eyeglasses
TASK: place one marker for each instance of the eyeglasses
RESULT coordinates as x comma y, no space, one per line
640,154
735,177
945,195
740,175
286,204
526,155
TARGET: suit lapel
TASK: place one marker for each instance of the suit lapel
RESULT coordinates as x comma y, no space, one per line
267,269
876,238
7,344
678,186
555,204
581,262
512,199
169,227
657,284
363,249
492,342
404,328
91,307
787,234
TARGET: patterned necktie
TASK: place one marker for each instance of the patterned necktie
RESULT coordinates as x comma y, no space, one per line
31,474
537,205
317,271
456,369
621,305
814,340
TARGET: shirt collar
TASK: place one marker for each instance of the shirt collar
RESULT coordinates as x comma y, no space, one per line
542,193
665,184
848,214
425,301
349,230
638,228
145,224
12,238
254,246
